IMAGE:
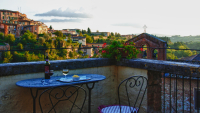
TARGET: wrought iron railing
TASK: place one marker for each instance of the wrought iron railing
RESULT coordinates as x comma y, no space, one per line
181,93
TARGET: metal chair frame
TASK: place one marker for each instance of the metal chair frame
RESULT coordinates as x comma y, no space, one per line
63,96
131,82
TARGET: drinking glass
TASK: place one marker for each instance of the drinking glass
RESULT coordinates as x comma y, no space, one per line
65,72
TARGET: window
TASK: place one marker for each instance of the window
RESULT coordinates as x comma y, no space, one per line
197,98
19,22
10,13
4,21
7,13
15,22
23,23
8,17
3,13
35,28
3,17
13,18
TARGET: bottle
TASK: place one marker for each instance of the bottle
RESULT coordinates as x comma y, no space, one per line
47,68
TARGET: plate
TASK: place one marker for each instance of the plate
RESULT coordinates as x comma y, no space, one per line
71,80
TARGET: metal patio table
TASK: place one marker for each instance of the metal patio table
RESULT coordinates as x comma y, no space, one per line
53,82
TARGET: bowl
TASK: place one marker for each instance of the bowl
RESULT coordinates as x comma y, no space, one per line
76,78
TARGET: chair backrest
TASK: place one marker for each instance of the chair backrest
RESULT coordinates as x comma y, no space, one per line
131,91
68,99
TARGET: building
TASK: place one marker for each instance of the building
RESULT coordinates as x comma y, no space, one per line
79,39
72,31
100,33
17,23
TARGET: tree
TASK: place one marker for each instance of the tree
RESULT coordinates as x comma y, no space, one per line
102,34
10,38
80,34
89,31
112,34
84,31
41,40
7,57
1,36
69,40
50,27
20,46
80,52
88,39
78,31
71,55
97,31
46,36
28,37
58,33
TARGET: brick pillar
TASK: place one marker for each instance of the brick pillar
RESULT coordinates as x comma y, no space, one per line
154,92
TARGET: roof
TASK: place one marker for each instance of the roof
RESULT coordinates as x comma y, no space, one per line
24,20
193,57
79,37
4,10
148,35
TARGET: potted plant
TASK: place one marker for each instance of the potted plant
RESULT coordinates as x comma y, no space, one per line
118,51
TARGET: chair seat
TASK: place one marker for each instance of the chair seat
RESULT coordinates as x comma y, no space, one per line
116,109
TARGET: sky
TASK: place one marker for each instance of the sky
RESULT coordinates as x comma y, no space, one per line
165,17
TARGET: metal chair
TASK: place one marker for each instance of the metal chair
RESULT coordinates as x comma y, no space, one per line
68,99
131,93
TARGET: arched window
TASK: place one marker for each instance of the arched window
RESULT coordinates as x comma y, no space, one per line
155,54
144,51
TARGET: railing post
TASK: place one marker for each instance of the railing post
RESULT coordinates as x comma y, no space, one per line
154,92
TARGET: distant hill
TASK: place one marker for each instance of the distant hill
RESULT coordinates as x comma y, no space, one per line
177,38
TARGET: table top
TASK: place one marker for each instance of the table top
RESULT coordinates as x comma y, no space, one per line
54,81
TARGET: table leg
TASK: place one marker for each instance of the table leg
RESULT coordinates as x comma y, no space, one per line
34,97
89,102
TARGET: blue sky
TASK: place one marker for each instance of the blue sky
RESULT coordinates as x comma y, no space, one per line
168,17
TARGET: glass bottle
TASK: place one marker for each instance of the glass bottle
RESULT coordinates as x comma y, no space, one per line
47,68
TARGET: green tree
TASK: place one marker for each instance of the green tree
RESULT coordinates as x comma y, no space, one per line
28,37
50,27
80,34
59,33
46,36
7,57
80,52
78,31
84,31
41,40
20,46
10,38
69,40
89,31
88,38
62,53
102,34
1,36
112,34
71,55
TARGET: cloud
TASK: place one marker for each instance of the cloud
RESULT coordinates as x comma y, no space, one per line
129,25
61,20
66,13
